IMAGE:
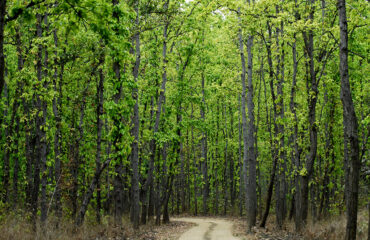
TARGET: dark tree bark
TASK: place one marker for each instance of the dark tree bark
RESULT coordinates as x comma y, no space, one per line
244,116
251,155
352,162
269,194
248,132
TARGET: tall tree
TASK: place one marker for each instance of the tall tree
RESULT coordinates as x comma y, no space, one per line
352,162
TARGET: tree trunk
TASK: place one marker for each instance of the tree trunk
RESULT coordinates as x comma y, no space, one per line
244,128
280,188
269,194
295,153
352,162
251,156
89,194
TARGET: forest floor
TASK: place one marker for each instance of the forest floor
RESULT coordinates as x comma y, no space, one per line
217,228
233,228
208,229
183,227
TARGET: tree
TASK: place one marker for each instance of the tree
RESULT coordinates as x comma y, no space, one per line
352,162
128,108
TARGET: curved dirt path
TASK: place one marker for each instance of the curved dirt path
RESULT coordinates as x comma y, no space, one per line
208,229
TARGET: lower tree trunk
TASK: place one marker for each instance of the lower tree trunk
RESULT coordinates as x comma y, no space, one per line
89,194
118,193
269,194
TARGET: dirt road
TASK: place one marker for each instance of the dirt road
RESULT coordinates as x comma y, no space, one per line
208,229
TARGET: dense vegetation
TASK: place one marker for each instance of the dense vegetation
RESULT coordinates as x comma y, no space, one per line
152,107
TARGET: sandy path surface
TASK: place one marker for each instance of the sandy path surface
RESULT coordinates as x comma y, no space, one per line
208,229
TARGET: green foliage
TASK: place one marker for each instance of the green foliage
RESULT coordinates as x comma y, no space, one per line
84,38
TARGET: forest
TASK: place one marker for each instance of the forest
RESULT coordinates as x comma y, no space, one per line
124,113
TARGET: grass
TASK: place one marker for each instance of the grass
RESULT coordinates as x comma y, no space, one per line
332,228
17,226
335,227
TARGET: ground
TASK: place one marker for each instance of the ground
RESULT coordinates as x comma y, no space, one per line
18,226
215,228
208,229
